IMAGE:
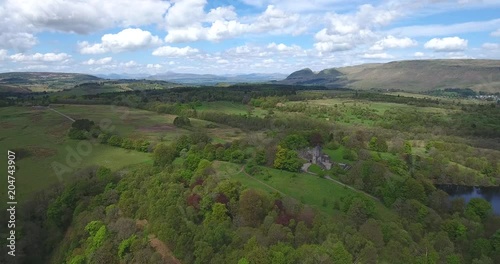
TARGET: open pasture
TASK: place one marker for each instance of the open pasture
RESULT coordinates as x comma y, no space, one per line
231,108
39,139
319,193
136,123
379,107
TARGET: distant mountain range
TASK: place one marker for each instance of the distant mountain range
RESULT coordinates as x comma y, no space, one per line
209,79
413,76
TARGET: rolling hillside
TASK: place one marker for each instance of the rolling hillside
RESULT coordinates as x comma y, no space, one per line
41,81
73,83
414,76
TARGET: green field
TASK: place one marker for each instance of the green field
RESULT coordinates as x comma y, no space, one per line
319,193
441,98
136,123
42,133
378,107
231,108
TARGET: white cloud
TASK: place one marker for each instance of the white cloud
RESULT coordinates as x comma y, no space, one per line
3,54
418,54
391,42
495,33
169,51
187,21
98,62
443,30
274,19
16,40
243,49
300,6
331,44
20,21
129,64
39,57
491,46
129,39
446,44
283,47
346,31
153,66
458,56
377,56
185,13
81,17
222,12
271,50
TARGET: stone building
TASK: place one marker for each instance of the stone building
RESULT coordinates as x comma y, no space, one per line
315,156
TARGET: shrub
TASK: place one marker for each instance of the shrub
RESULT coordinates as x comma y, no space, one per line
103,138
182,121
349,155
74,133
83,124
115,141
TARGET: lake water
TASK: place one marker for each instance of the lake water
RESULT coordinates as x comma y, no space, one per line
490,194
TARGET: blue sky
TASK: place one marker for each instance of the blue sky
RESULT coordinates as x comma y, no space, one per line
246,36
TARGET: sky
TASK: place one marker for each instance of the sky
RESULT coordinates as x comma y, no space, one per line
239,36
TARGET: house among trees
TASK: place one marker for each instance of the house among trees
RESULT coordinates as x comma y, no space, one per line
315,156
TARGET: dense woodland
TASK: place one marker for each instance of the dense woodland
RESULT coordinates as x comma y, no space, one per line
179,201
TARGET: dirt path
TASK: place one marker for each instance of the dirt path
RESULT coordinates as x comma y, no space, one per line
352,188
163,250
158,245
71,119
263,183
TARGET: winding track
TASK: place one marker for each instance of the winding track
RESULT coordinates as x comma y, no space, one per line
71,119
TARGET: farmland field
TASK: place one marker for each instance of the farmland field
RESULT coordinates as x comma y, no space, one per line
42,133
231,108
40,136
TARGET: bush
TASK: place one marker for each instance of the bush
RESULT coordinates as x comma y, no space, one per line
74,133
115,141
83,124
103,138
182,121
125,245
142,145
333,145
127,144
237,156
349,155
164,154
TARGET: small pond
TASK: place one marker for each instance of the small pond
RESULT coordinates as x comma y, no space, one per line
490,194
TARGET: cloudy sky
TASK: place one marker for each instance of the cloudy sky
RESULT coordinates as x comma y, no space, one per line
239,36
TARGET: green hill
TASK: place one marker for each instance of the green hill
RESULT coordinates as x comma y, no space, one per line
73,83
42,81
414,76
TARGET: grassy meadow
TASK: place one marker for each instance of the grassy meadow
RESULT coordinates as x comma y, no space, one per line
39,138
136,123
41,134
231,108
319,193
